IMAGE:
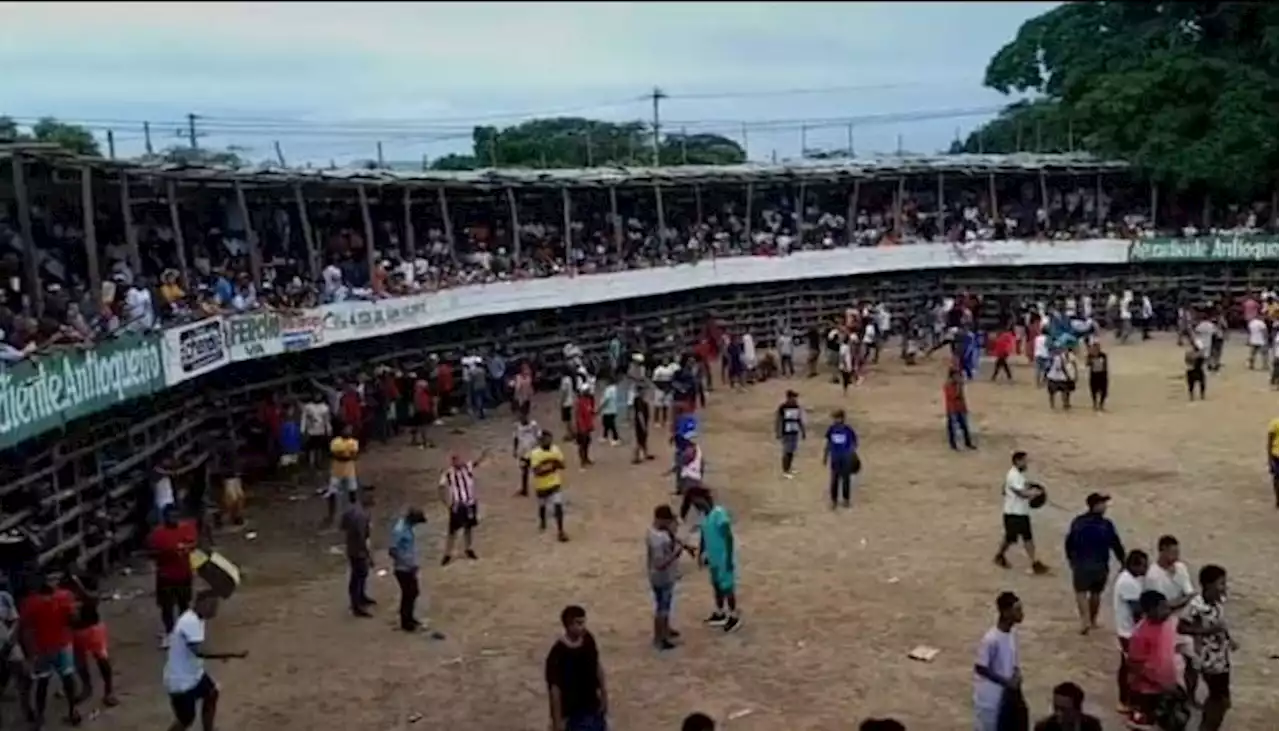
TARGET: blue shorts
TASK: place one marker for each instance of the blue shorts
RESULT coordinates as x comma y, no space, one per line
663,596
723,580
60,663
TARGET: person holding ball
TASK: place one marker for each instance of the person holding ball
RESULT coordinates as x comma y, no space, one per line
1020,497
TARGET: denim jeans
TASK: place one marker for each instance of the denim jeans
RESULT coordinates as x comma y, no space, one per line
586,722
958,423
356,591
476,401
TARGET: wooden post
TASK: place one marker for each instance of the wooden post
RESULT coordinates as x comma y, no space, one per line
369,258
1097,202
410,236
566,206
308,236
251,236
130,234
617,220
991,193
179,240
1155,203
942,208
90,223
31,267
514,210
897,209
662,214
751,193
448,222
851,220
799,221
697,201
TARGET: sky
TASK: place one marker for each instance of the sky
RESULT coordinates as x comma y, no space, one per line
328,81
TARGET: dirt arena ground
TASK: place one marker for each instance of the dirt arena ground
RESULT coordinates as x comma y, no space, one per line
832,601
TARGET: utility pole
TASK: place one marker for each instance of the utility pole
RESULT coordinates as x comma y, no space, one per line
381,162
146,135
657,95
280,154
849,138
899,144
684,146
111,144
591,161
425,166
804,141
746,150
192,137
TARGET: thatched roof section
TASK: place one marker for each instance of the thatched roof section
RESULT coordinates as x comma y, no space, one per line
811,171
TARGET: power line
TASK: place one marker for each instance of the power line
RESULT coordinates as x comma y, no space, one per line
806,91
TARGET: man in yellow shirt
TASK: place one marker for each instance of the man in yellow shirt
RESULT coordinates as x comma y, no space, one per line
1273,456
546,462
343,451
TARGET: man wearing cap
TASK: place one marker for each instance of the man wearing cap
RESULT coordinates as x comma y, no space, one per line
1090,542
789,429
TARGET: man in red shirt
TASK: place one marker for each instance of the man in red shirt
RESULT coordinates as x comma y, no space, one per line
45,617
584,421
957,409
1152,658
424,413
1004,347
171,544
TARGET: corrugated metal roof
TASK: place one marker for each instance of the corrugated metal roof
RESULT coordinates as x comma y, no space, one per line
817,171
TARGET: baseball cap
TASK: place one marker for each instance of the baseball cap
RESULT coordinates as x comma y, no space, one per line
1096,498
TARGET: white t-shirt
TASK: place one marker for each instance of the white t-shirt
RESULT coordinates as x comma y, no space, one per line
183,669
1257,332
1127,591
316,419
137,302
846,357
1041,346
332,277
1013,503
1175,585
163,492
566,391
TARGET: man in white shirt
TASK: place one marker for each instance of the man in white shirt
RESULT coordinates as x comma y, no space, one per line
1040,349
140,314
1018,495
1257,340
190,688
1125,595
317,429
1170,576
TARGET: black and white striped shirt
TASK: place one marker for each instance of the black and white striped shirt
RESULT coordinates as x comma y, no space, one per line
461,484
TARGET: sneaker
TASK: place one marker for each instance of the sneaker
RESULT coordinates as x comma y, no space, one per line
471,554
1039,569
673,634
734,623
361,612
789,475
663,645
563,538
446,560
717,619
1001,561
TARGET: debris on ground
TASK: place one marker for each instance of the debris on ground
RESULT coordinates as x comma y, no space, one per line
743,713
923,653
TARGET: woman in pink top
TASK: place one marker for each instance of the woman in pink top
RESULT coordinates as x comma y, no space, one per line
522,390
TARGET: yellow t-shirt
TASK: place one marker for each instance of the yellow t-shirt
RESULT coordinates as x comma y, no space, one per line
547,466
344,452
1273,431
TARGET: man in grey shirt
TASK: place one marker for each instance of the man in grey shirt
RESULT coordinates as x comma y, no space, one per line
355,529
662,556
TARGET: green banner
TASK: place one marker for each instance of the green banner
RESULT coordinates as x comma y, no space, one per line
52,389
1206,249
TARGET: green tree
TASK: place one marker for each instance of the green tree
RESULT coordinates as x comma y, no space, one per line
1025,126
575,142
454,161
1185,91
179,155
72,137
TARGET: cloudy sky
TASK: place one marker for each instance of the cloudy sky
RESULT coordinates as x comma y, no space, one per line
330,80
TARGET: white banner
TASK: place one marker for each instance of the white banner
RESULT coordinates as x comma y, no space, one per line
194,349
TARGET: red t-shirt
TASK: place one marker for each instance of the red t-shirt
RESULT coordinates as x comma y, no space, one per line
1152,663
954,398
1005,344
48,618
422,398
349,405
585,414
172,547
444,378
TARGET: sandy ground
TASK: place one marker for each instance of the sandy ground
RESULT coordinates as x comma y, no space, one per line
832,601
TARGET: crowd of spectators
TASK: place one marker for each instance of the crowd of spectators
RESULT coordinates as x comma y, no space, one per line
217,274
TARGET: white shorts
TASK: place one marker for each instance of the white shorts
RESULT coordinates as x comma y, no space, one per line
555,498
665,399
338,484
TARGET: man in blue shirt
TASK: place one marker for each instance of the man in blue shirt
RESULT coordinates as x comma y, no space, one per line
1091,541
404,562
841,452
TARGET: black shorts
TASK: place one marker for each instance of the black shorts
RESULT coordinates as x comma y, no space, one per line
1062,386
583,438
1089,579
176,594
1017,527
463,517
186,704
423,418
566,414
318,443
1218,685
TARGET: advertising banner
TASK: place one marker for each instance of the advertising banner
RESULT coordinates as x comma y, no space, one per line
46,391
194,349
1206,249
264,334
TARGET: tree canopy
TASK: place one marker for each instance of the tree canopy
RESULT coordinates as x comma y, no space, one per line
47,129
1185,91
575,142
